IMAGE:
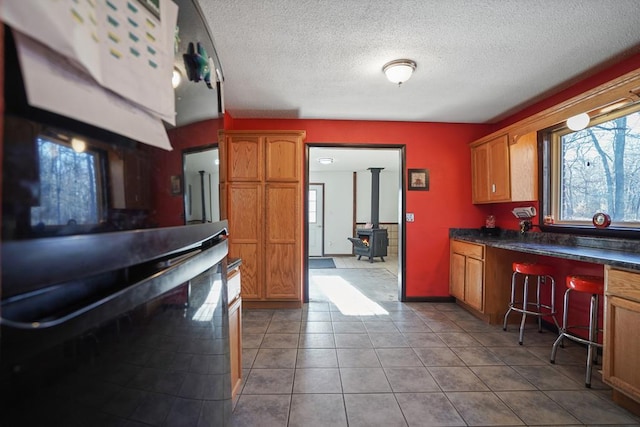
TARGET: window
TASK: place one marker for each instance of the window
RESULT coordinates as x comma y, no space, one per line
596,169
69,186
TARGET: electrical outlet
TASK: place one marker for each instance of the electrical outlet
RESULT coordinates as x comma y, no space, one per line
410,217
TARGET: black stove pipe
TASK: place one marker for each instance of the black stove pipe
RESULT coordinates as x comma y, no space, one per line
375,197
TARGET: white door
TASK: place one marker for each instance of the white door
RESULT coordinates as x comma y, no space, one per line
316,215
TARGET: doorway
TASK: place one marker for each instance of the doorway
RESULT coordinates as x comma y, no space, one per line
316,220
341,175
201,172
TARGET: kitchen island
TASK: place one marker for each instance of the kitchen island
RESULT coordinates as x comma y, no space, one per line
480,275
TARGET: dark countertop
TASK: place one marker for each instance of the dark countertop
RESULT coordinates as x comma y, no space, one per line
233,263
624,253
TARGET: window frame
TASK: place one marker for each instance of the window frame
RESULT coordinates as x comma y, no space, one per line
550,181
102,194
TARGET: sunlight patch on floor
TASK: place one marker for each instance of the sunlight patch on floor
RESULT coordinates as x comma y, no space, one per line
347,298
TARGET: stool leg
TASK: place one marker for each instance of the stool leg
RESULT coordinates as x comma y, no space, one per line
538,283
553,301
513,300
563,330
592,353
525,298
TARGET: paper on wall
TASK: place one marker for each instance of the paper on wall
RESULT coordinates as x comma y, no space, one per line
125,45
53,85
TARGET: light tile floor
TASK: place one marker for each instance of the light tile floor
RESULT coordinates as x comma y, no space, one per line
383,363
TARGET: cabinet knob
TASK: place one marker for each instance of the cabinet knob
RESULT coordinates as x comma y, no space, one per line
493,188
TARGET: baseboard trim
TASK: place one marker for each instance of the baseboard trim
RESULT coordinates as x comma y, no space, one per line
429,299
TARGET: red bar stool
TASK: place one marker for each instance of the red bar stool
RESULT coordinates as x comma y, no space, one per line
593,285
533,308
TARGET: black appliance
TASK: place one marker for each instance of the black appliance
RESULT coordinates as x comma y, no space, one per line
372,242
108,316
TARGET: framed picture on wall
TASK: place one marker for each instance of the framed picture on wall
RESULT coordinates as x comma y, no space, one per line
176,185
419,179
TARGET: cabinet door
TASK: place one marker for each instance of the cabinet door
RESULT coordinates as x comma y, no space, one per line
282,158
480,173
245,234
235,345
244,157
456,277
499,169
622,346
523,158
473,290
282,241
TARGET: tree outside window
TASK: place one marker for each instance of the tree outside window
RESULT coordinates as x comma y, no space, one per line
599,171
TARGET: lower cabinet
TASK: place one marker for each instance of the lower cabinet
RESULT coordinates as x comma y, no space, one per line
480,278
621,338
467,273
235,330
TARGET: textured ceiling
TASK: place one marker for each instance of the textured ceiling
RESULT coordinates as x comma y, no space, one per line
478,61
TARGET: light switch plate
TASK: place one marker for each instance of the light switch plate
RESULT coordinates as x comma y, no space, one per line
410,217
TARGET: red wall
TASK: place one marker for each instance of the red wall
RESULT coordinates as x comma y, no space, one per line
169,209
440,147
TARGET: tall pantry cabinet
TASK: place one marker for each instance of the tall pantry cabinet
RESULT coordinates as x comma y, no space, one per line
261,182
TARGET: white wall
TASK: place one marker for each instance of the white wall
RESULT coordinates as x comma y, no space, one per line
338,209
389,188
338,204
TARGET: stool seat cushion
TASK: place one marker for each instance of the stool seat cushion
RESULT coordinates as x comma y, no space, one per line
589,284
533,269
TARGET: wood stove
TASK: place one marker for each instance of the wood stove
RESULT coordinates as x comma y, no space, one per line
372,242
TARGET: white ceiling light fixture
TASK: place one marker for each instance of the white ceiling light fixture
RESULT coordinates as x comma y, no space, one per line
78,145
176,78
325,160
399,71
578,122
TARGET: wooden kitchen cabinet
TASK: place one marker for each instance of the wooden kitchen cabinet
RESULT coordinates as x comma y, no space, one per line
263,202
467,273
505,169
235,329
490,171
621,340
480,278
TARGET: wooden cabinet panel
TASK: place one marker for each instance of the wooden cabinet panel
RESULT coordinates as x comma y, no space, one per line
264,199
622,346
282,242
235,345
282,156
621,340
480,173
474,283
457,275
523,158
466,280
499,170
504,171
282,212
283,272
244,158
467,249
251,268
244,211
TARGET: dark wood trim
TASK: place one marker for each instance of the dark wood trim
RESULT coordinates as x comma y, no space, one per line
402,277
430,299
270,304
322,185
354,198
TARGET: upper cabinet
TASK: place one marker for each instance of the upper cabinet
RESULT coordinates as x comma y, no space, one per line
505,169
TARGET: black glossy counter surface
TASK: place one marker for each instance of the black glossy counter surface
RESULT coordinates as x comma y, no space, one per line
624,253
